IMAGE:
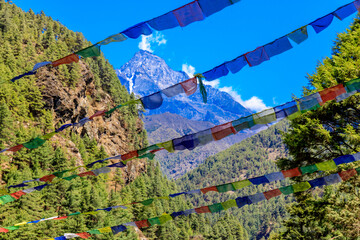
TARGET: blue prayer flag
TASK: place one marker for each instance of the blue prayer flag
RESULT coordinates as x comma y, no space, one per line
345,11
285,110
177,194
299,35
117,229
60,238
118,165
242,201
23,75
344,159
210,7
176,214
188,13
256,57
63,127
317,182
257,198
332,179
152,101
19,185
216,72
185,142
93,163
137,30
237,64
38,188
163,22
322,23
259,180
274,176
278,46
39,65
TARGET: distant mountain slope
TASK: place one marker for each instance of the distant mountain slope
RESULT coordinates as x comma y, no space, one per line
147,73
252,157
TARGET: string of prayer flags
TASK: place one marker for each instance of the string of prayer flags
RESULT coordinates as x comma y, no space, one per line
232,186
288,110
223,206
197,11
182,16
280,45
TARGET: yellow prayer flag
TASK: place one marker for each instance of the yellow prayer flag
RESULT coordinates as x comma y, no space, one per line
105,230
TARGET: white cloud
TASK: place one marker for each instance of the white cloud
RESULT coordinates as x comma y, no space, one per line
147,41
254,103
188,69
215,83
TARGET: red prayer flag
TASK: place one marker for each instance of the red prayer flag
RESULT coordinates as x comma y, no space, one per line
17,194
59,218
204,209
4,230
346,175
84,235
47,178
129,155
188,13
331,93
272,193
98,114
291,173
142,224
209,189
221,131
66,60
189,86
89,173
16,148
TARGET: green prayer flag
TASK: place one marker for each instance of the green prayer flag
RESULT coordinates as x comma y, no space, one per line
326,166
312,108
95,231
353,85
48,136
73,214
300,187
241,184
154,221
12,228
6,199
60,173
167,145
164,218
229,204
287,190
92,51
71,177
113,38
147,202
217,207
150,156
225,187
34,143
308,169
358,170
264,117
149,148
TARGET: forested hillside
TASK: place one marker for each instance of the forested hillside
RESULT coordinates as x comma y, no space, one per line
38,104
252,157
324,134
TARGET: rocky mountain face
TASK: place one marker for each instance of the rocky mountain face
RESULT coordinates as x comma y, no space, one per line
147,73
70,104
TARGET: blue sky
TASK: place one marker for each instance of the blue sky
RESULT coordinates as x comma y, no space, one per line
203,45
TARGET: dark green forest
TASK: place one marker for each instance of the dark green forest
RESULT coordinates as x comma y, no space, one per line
28,38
